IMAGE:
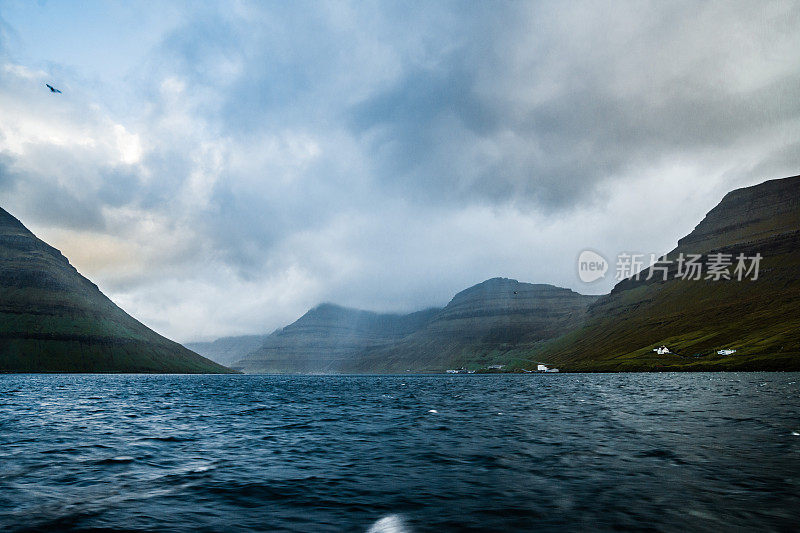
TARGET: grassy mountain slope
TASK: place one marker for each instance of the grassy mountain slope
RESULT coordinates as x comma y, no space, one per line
490,323
759,319
52,319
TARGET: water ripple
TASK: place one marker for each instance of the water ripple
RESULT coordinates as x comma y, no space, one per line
393,454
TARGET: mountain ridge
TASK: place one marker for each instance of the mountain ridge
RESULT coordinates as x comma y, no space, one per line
697,319
320,339
53,319
484,325
487,315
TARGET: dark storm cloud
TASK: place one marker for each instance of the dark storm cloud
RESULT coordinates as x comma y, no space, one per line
619,107
531,104
120,187
49,203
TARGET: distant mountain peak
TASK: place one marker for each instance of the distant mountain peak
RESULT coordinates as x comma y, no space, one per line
489,320
507,287
327,305
748,214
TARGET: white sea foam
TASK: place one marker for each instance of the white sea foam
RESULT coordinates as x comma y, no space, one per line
393,523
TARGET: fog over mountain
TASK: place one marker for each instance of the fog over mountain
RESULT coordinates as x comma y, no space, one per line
220,168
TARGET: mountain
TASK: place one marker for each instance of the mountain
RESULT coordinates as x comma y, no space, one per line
695,319
326,337
228,350
52,319
489,323
486,324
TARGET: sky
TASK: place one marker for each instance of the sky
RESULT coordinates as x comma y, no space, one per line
218,168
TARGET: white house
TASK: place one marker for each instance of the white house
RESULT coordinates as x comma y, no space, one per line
726,352
661,350
542,368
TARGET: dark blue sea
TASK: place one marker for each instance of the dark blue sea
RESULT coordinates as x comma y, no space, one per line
575,452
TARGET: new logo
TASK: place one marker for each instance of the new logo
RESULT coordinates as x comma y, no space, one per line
591,266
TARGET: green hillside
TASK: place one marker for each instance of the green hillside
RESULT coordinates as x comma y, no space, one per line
490,323
52,319
695,319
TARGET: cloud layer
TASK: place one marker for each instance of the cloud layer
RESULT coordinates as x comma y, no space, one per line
242,162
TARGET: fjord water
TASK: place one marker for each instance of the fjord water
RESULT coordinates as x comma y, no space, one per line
419,453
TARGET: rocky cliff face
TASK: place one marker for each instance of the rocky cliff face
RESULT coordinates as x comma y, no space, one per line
748,215
52,319
482,325
489,323
505,310
326,337
695,319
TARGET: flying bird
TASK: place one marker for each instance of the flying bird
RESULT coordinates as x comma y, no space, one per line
52,89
